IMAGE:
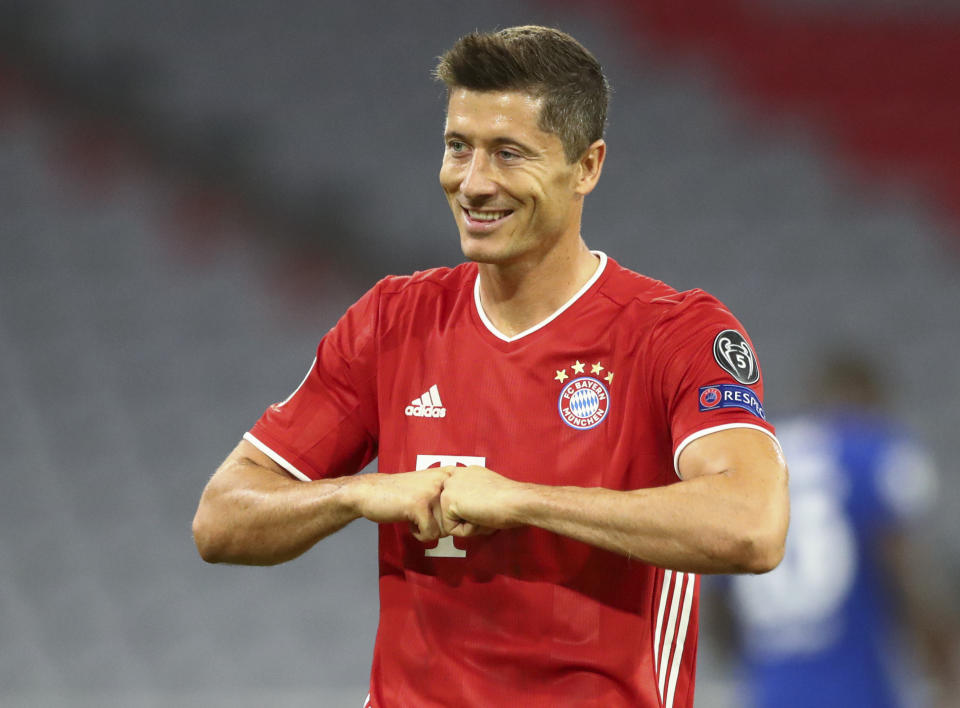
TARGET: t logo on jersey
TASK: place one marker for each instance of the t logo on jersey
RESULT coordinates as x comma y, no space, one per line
734,355
445,547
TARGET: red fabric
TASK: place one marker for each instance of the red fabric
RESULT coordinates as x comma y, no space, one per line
526,617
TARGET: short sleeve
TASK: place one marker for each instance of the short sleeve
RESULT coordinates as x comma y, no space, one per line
328,427
706,376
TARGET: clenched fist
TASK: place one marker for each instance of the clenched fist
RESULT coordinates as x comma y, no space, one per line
406,496
476,500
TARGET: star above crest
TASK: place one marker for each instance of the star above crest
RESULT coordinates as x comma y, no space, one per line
579,367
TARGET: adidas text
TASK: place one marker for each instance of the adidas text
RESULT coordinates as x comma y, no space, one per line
425,411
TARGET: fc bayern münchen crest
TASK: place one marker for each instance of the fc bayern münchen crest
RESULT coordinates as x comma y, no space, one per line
584,403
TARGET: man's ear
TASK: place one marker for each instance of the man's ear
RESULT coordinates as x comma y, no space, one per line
589,167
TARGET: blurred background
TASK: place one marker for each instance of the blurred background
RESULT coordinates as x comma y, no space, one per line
191,193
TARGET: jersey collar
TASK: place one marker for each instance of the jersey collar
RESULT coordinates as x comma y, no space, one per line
543,323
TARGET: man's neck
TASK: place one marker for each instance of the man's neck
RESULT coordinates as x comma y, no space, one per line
519,296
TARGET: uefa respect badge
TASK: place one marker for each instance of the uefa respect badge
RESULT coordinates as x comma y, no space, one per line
730,396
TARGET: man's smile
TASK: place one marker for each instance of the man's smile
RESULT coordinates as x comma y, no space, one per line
482,220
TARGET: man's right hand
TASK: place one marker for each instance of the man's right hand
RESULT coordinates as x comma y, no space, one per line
405,496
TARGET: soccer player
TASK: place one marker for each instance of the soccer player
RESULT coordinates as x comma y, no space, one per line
563,444
820,629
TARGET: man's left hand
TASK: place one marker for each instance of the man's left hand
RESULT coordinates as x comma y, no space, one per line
476,500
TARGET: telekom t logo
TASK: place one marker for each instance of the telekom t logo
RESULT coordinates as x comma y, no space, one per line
445,547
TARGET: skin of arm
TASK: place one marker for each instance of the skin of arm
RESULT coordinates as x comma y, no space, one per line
252,512
728,515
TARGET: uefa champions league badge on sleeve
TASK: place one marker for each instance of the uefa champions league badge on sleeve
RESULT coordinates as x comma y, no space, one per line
733,353
584,400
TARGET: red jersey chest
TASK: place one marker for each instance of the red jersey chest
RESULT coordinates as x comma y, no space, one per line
559,410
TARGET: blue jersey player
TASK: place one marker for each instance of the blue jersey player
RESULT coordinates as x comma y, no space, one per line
823,628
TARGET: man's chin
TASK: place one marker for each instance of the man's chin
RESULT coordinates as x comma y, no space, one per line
481,251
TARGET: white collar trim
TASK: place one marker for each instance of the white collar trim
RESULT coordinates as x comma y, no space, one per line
500,335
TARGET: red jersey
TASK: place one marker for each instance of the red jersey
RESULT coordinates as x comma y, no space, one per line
604,393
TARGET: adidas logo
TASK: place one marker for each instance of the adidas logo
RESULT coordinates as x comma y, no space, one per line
427,406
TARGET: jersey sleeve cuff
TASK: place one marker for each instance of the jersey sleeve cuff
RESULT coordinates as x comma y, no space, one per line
715,429
279,459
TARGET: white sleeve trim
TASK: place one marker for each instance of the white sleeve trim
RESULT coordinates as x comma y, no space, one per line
276,458
715,429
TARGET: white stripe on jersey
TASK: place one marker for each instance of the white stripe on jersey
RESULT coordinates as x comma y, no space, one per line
667,575
681,639
671,628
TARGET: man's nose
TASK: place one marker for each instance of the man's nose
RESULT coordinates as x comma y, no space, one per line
478,181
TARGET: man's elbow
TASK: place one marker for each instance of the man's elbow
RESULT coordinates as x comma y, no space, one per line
763,531
209,542
760,548
761,553
206,547
218,540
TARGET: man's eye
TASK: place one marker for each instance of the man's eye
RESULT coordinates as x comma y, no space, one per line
507,155
456,146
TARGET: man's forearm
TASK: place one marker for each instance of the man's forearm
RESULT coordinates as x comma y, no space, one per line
730,514
705,525
253,513
251,516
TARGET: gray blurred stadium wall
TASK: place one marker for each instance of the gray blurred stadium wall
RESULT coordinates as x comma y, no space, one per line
191,195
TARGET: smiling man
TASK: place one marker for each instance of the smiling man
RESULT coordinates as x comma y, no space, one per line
563,444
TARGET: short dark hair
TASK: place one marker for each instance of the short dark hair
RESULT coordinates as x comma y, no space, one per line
543,62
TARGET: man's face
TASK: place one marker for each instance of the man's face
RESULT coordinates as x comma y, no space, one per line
508,183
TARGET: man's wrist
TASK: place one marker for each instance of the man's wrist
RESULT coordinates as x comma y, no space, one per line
525,503
352,492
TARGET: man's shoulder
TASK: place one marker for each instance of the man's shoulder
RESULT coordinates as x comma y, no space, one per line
430,281
625,286
422,296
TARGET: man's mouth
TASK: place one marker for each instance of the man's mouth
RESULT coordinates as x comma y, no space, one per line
485,217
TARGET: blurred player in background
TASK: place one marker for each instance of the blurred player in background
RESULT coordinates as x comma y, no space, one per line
563,444
827,627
